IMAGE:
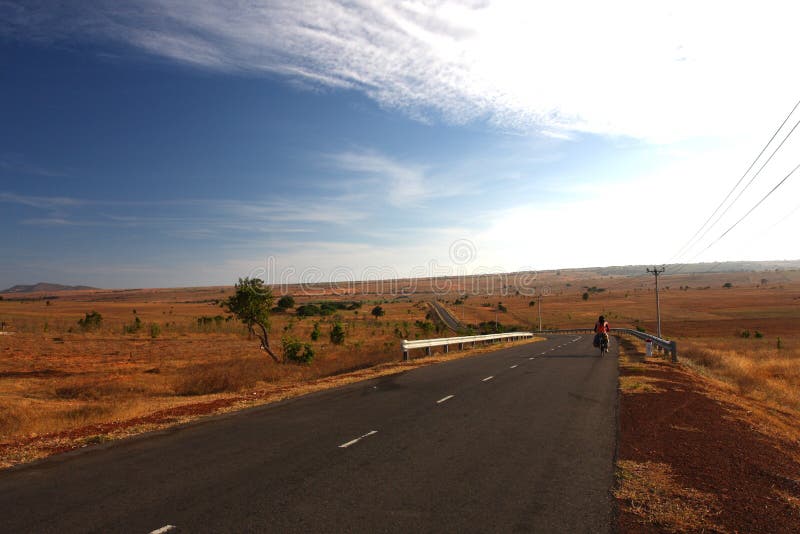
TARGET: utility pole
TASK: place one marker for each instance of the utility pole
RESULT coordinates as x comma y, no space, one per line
656,271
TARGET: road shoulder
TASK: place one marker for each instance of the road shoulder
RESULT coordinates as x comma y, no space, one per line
694,456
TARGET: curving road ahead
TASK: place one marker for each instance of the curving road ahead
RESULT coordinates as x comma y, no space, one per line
447,318
517,440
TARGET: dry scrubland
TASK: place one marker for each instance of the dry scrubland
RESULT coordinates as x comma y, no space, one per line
56,377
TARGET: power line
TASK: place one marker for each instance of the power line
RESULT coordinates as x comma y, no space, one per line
785,217
751,210
689,243
750,182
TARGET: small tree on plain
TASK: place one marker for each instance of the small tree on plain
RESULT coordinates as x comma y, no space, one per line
377,311
251,304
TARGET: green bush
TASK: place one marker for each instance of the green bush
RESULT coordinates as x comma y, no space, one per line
91,321
315,333
425,326
155,330
377,311
758,335
745,333
286,301
337,334
585,296
295,351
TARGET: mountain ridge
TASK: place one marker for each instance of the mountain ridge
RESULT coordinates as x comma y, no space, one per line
43,286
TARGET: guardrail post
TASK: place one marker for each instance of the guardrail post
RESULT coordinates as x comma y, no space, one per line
428,351
446,349
673,348
405,355
461,346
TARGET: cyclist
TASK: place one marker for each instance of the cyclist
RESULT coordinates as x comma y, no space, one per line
601,328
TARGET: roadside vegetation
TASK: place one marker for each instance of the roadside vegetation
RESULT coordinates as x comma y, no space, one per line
96,357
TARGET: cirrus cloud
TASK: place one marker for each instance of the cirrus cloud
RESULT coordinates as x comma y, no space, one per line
659,72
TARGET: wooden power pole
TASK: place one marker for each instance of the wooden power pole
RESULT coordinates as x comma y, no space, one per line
657,271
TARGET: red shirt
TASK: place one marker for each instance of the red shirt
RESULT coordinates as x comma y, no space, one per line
602,327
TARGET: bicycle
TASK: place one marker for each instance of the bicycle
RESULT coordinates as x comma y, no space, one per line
603,344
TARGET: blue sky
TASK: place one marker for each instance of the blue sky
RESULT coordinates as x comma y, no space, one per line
190,143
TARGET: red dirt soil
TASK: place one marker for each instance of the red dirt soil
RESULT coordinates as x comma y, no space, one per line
711,443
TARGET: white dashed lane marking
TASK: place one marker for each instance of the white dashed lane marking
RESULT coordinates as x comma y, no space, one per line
513,366
162,530
487,378
447,398
354,441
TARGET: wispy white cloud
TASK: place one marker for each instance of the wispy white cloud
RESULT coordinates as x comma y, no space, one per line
405,185
44,202
656,71
193,217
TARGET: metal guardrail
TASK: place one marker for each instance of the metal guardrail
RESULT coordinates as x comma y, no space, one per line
461,341
670,346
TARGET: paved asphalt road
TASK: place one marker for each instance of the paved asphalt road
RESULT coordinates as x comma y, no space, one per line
451,322
517,440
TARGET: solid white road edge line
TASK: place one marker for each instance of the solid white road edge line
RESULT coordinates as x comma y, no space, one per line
513,366
354,441
165,528
447,398
487,378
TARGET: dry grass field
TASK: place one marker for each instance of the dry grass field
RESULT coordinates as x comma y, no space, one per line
56,378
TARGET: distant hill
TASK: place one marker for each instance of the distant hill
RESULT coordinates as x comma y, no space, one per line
44,287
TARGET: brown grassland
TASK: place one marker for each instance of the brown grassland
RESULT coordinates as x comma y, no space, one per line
62,387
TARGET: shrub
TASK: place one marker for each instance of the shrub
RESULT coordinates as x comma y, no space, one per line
315,333
585,296
286,301
501,307
337,334
307,310
295,351
134,327
745,333
640,328
377,311
758,335
727,285
425,326
155,330
532,303
91,321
